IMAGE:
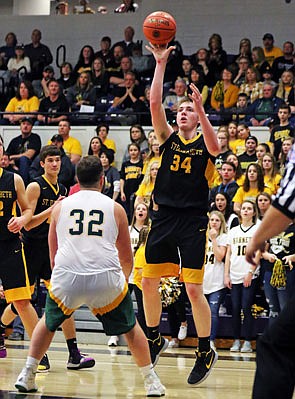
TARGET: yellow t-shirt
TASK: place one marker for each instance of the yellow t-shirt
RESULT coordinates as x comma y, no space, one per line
272,183
145,191
238,146
250,195
139,263
148,163
271,55
71,146
29,105
109,143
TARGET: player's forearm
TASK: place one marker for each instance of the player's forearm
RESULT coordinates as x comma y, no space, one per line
268,228
156,94
38,219
210,136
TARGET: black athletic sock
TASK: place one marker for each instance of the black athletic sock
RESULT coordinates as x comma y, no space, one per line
204,344
2,328
153,333
72,345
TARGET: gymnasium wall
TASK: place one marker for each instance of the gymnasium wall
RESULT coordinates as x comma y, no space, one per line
196,20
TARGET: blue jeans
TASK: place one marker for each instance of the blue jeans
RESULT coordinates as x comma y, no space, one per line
24,164
242,299
277,297
215,299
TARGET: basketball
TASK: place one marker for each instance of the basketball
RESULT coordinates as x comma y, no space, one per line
159,27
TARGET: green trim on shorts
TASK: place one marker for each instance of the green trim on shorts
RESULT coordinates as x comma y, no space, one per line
54,316
119,320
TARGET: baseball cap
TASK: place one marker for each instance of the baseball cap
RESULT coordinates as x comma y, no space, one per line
57,137
27,119
20,46
48,68
252,138
268,36
265,69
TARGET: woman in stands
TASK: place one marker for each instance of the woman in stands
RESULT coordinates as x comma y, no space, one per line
253,185
241,277
252,86
85,60
130,178
137,136
100,77
146,187
24,101
67,78
223,205
213,283
197,77
225,93
19,64
271,176
82,93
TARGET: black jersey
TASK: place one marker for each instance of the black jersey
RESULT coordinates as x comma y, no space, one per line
49,193
182,179
8,199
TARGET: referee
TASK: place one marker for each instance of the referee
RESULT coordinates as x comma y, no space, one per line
275,360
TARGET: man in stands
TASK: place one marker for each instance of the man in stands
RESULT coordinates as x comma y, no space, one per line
55,106
270,51
72,146
24,148
39,54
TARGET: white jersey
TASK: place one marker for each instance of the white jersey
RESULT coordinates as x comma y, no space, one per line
238,239
214,270
87,234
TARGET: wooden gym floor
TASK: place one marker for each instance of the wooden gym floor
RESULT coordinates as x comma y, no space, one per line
115,375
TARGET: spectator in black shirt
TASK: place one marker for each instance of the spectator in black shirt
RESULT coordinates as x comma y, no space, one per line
24,148
54,105
39,54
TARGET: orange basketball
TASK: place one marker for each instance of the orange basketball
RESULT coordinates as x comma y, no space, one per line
159,27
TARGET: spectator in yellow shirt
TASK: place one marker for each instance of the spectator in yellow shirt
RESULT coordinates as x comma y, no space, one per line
102,131
24,101
72,146
270,51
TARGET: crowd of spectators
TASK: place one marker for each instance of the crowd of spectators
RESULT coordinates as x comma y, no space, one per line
113,81
111,86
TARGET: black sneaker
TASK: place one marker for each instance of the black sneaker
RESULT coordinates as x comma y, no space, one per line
44,365
157,346
78,361
203,366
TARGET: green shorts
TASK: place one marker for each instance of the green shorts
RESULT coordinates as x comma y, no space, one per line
116,322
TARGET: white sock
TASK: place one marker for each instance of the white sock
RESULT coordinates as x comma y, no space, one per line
147,370
32,363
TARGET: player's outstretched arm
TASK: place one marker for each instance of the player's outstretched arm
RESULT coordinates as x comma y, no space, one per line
209,134
266,230
159,121
123,243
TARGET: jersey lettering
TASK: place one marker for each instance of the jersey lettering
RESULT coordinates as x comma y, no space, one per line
96,220
185,164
